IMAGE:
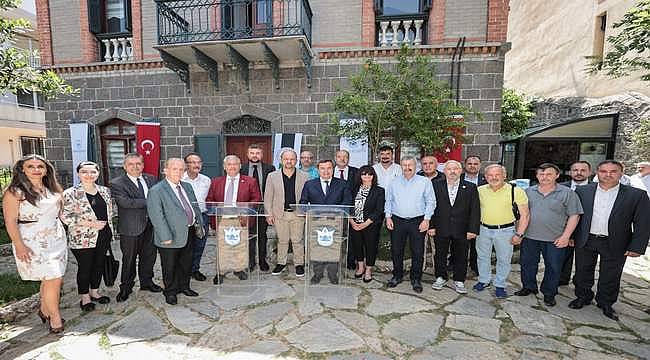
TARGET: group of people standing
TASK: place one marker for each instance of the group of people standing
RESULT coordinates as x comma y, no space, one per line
465,213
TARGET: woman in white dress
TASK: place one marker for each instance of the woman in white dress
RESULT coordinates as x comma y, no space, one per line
31,205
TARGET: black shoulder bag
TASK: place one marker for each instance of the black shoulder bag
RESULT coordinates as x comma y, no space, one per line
515,209
111,267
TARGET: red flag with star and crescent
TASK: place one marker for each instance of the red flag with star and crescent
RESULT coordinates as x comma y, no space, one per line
147,135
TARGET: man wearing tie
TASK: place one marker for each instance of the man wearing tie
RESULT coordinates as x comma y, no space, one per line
176,219
130,193
349,174
614,227
259,171
231,189
326,190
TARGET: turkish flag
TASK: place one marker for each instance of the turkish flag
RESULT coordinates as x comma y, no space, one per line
147,136
453,149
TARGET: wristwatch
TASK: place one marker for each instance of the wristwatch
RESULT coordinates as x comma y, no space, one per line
519,235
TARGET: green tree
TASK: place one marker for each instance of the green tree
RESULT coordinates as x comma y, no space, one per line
640,140
408,103
516,111
630,47
16,73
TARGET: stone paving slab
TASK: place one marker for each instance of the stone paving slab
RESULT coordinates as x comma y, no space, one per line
384,303
324,334
469,306
487,329
140,325
415,330
532,321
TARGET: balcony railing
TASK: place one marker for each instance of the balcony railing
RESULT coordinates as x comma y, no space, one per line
185,21
116,47
398,31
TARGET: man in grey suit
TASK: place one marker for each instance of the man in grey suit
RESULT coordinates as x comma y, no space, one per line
176,219
130,193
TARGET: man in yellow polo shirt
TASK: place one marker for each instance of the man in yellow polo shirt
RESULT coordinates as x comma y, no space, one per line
499,228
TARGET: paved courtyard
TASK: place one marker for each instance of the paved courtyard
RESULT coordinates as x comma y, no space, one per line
279,317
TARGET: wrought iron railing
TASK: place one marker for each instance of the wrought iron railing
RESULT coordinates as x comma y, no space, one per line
184,21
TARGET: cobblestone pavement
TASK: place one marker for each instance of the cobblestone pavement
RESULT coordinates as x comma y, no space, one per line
279,317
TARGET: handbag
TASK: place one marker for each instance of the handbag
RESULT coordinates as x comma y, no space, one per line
111,268
515,209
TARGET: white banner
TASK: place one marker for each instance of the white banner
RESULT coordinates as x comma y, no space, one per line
79,141
358,148
286,140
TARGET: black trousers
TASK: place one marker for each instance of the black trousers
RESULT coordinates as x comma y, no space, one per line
177,266
458,247
365,244
90,262
260,244
609,271
142,249
332,270
403,230
567,265
472,256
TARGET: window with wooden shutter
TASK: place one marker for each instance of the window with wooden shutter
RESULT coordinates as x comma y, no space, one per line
95,10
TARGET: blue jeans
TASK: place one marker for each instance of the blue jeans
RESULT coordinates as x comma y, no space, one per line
199,244
500,240
529,259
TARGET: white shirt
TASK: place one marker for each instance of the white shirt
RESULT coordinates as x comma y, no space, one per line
452,190
640,182
603,204
201,187
386,176
337,173
472,179
235,190
324,183
574,184
144,183
178,196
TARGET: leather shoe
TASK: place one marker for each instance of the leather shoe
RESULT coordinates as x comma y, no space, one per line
579,303
198,276
264,266
152,287
564,282
241,275
525,292
549,300
218,279
190,292
393,282
609,312
171,299
123,295
417,286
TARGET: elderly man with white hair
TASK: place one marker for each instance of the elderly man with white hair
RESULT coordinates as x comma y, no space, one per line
455,221
641,180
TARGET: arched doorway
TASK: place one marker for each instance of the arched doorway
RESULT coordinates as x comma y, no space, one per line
240,132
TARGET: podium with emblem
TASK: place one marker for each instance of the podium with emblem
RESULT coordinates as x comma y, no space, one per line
326,242
235,226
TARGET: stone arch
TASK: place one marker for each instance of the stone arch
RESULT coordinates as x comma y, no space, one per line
250,119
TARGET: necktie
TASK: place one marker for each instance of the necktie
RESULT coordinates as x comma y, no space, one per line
341,177
230,191
327,187
140,188
256,176
186,206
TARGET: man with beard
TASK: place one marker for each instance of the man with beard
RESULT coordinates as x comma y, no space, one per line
386,169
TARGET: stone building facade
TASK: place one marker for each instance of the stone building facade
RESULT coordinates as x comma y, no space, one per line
286,97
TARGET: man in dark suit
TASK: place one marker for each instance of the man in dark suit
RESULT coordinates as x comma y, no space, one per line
258,170
455,220
233,188
430,168
348,173
177,219
473,171
580,175
614,226
130,193
326,190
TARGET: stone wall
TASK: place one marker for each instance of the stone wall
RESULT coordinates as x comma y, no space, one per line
294,107
630,107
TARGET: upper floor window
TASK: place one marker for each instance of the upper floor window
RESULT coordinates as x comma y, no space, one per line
401,22
117,139
109,16
401,7
30,99
32,145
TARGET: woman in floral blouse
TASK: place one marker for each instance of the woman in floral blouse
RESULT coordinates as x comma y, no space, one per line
31,206
88,210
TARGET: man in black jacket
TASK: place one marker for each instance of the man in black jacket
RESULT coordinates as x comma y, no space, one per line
343,171
258,170
455,221
614,226
136,232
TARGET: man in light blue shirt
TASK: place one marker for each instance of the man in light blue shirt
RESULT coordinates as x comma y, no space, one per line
410,203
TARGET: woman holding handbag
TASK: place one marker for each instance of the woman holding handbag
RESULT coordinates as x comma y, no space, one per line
88,210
